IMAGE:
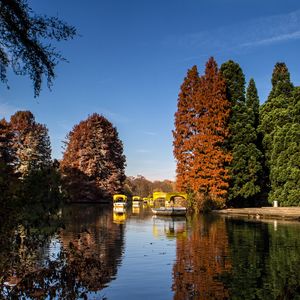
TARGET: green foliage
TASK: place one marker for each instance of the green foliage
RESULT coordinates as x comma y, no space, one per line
235,82
280,123
285,166
245,168
281,83
252,103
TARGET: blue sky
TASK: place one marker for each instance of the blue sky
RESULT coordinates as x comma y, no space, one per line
131,57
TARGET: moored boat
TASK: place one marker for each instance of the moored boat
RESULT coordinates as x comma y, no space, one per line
169,211
136,201
120,201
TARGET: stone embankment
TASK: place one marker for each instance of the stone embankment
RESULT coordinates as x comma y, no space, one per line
280,213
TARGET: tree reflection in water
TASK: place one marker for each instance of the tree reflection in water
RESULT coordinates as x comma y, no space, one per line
91,247
237,259
202,258
265,260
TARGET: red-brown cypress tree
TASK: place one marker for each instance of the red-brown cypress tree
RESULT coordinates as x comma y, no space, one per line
185,128
209,176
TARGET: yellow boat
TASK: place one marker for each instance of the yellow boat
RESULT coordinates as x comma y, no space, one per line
136,201
120,201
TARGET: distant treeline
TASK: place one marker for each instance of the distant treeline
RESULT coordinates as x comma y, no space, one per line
232,151
143,187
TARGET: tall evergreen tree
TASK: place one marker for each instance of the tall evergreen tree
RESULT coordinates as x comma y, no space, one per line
252,102
93,162
245,167
185,128
279,125
285,158
274,112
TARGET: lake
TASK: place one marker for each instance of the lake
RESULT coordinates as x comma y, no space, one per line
102,255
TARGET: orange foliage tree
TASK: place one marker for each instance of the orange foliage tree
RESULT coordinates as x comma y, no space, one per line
201,131
185,128
93,163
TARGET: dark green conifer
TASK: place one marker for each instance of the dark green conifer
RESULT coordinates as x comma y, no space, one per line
280,127
285,158
245,168
252,102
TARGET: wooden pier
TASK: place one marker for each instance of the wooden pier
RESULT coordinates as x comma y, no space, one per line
279,213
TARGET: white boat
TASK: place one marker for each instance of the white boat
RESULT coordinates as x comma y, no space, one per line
169,211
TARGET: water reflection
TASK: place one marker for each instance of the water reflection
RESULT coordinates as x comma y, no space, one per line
201,259
105,253
265,260
169,227
91,230
82,258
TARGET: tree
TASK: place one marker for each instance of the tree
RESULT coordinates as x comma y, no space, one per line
31,143
274,112
7,178
245,168
279,126
185,128
252,102
209,175
93,162
23,42
285,158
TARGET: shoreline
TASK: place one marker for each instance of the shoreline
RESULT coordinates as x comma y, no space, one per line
277,213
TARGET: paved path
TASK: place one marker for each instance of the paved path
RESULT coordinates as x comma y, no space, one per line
283,213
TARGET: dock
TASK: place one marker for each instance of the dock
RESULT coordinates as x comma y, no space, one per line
279,213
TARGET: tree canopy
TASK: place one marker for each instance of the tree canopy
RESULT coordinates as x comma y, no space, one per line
93,162
25,42
245,167
200,135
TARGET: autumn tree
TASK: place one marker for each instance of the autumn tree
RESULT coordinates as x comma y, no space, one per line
31,143
93,162
7,178
209,175
185,128
24,42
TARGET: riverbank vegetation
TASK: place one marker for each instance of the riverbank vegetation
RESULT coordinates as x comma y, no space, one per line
232,151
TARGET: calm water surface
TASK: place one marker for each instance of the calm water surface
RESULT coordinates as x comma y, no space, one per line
138,256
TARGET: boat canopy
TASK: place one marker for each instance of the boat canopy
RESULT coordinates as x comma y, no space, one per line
136,198
118,197
159,195
168,196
